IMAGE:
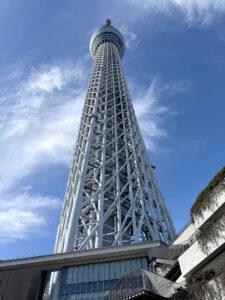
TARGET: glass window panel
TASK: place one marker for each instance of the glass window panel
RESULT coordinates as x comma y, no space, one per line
144,263
118,269
73,288
64,275
96,272
123,268
61,297
128,266
101,272
134,264
91,272
112,274
72,297
67,289
89,296
100,295
106,271
69,278
78,297
75,274
84,287
85,273
83,296
107,285
100,285
80,274
95,286
62,289
89,287
139,263
78,288
95,296
115,282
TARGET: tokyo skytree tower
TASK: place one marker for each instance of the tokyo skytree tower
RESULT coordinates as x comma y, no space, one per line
112,195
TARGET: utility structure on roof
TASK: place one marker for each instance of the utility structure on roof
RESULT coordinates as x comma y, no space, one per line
112,195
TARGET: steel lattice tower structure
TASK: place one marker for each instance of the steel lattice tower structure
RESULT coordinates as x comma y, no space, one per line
112,195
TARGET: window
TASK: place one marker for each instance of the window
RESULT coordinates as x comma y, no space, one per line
80,282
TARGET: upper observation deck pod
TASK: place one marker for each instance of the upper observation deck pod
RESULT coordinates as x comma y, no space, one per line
107,33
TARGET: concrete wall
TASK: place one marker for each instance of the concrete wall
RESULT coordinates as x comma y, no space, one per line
218,200
185,235
194,258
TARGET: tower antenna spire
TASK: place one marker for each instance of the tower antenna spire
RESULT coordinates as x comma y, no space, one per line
107,22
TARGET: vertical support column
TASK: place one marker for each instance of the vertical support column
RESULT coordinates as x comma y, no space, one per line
41,287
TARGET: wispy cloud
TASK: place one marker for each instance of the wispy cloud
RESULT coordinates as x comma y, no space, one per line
201,12
39,116
152,112
130,37
23,214
222,37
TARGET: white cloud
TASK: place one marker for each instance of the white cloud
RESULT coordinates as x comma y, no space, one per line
151,113
23,214
39,116
130,37
194,11
17,224
22,201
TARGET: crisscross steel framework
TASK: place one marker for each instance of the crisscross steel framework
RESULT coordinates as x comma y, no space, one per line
112,195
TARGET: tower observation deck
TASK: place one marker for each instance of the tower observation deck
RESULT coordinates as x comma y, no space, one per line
112,195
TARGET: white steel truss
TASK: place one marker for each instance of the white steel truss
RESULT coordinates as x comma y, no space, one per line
112,195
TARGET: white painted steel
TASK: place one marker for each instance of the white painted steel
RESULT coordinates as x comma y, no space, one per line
112,195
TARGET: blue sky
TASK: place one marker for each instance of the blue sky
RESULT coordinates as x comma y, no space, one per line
175,68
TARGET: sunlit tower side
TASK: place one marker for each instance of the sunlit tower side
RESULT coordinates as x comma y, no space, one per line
112,195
